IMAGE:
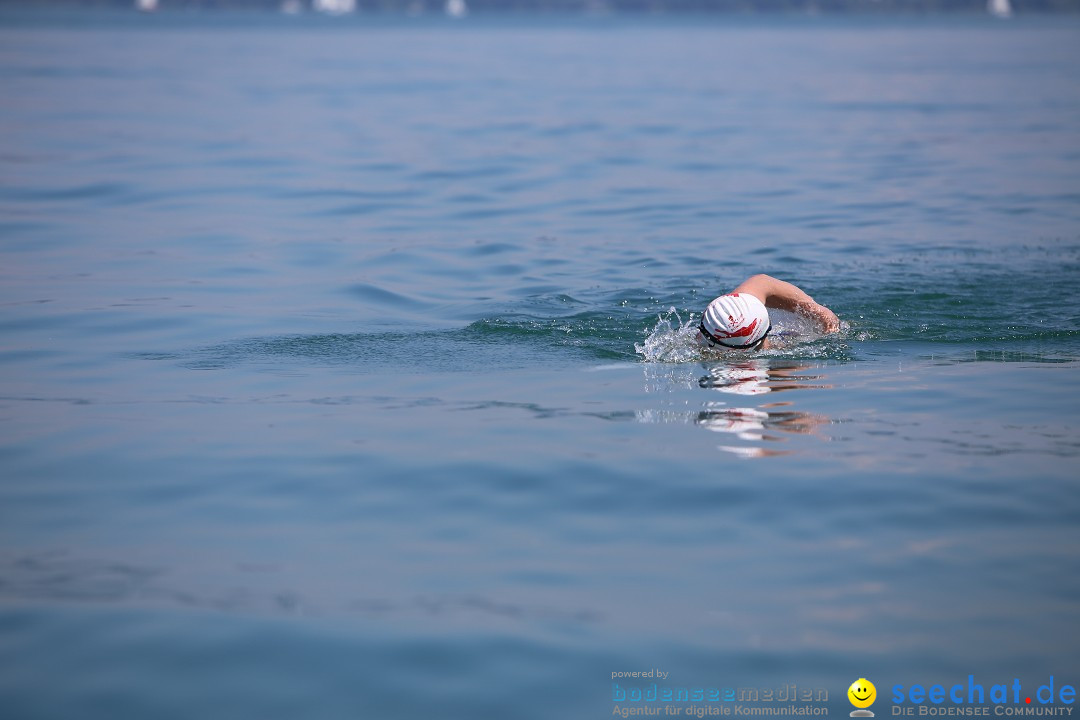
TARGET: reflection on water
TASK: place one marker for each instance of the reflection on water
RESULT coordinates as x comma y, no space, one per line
756,377
755,425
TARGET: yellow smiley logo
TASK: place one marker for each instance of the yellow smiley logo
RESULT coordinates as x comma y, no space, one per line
862,693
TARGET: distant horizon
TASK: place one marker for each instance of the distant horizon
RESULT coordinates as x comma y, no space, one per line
576,7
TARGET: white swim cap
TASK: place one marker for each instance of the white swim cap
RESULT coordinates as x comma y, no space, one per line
738,320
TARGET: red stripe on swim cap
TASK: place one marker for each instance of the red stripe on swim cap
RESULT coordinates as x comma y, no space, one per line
741,332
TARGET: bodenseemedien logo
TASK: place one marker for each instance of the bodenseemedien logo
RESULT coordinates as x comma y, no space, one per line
862,694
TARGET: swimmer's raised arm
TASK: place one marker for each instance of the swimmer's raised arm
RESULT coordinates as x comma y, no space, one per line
785,296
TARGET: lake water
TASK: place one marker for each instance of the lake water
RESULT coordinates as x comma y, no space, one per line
344,369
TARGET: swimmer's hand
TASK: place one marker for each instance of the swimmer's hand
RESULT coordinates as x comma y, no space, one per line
825,317
785,296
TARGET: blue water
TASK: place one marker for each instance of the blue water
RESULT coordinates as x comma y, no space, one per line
346,370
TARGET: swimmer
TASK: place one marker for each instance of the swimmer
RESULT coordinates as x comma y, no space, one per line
740,320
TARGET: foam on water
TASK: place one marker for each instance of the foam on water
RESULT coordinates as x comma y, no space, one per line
673,340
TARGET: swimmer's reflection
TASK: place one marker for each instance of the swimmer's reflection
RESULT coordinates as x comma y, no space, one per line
765,423
757,378
752,423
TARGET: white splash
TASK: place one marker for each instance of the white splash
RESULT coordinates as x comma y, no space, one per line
671,340
675,341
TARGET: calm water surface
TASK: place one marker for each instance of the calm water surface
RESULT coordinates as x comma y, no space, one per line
345,368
